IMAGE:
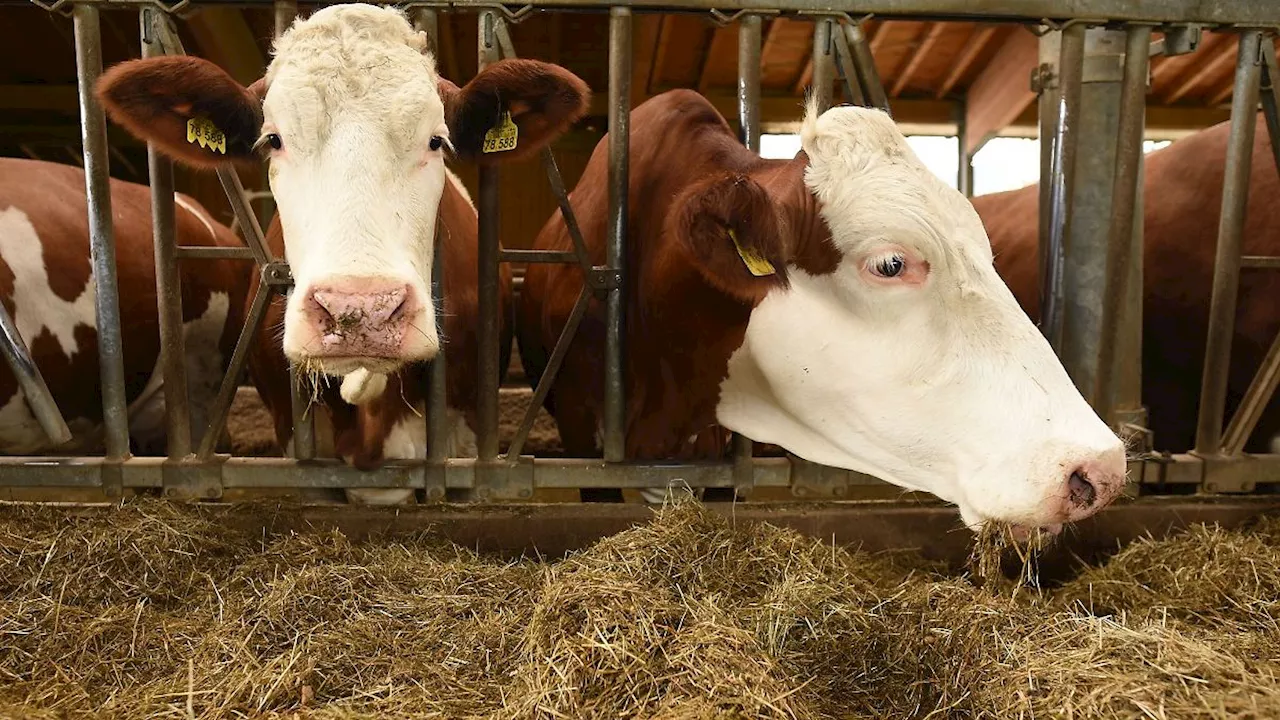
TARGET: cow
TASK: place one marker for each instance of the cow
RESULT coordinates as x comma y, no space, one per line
842,305
355,125
48,286
1182,202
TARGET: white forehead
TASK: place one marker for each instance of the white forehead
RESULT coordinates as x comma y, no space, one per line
872,187
352,63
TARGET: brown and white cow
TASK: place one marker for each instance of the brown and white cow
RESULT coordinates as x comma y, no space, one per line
48,286
1182,204
355,123
842,305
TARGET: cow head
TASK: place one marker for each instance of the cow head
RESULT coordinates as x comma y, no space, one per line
890,345
354,122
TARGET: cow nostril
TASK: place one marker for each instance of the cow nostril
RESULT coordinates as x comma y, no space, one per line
1080,491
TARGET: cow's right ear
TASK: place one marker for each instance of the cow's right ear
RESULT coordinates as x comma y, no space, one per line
729,224
190,108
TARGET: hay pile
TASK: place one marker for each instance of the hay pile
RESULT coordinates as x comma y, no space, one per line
156,610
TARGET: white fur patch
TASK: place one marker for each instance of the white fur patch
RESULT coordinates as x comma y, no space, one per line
189,205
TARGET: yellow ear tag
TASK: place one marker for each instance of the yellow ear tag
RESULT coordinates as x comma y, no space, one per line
202,130
501,137
757,265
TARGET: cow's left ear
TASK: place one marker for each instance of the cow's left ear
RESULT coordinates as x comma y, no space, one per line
512,109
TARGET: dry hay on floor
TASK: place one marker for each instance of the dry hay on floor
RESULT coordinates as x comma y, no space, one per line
156,610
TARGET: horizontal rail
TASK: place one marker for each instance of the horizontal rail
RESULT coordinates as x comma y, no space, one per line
1269,262
537,473
538,256
1250,13
197,252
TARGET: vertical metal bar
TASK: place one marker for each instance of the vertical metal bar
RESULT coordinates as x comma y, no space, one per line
964,160
749,41
1120,249
93,135
304,434
823,62
34,389
1050,48
1226,267
846,68
863,60
1065,139
615,404
286,11
487,335
438,376
168,281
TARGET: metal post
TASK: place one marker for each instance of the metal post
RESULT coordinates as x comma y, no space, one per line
964,160
1046,83
1226,267
34,389
1083,278
168,281
615,404
749,34
286,11
487,335
93,134
865,63
1109,394
304,432
824,67
1063,154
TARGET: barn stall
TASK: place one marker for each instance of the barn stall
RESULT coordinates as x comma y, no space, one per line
819,592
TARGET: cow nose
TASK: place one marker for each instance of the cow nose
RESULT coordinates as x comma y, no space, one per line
1094,483
360,318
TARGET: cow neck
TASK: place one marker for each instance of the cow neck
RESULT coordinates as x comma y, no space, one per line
682,329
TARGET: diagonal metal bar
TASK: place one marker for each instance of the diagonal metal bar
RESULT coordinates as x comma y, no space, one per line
34,389
865,63
227,391
847,69
567,334
566,210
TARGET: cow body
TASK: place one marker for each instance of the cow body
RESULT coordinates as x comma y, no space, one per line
356,126
1182,206
48,287
841,305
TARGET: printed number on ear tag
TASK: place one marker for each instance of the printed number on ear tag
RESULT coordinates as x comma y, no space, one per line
501,137
756,264
203,131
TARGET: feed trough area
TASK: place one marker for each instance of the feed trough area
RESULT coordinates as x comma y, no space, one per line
152,609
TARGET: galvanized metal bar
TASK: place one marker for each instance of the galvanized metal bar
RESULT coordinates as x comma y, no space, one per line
231,380
1226,268
539,256
1049,89
239,201
846,69
490,247
1256,398
1120,246
1260,262
31,382
1062,186
168,280
549,373
93,135
198,252
1269,92
865,64
285,12
823,63
749,45
566,209
304,436
615,403
438,375
964,160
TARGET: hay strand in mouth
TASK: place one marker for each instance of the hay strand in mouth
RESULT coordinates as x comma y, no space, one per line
155,610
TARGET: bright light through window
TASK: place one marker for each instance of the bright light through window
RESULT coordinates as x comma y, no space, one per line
1004,163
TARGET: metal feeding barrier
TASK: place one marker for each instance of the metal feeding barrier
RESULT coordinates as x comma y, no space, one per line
1094,51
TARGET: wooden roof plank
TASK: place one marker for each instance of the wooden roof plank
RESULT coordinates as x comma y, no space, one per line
1003,89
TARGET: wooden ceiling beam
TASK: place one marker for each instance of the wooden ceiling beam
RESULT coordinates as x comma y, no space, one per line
223,36
720,43
1003,90
1210,62
645,37
932,31
977,42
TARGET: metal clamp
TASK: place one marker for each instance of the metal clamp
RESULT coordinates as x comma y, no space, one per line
504,480
719,19
186,481
812,481
277,274
1043,77
1180,40
603,278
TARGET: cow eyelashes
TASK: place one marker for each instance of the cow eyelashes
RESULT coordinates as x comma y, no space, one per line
889,266
271,140
436,143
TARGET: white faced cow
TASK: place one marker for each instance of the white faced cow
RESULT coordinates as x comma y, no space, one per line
355,124
842,305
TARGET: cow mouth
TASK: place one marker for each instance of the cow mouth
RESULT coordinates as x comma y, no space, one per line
343,365
1026,533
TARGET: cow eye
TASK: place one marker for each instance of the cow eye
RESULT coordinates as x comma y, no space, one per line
436,143
890,266
274,141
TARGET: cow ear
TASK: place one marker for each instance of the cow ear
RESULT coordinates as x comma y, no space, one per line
190,108
729,224
519,106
